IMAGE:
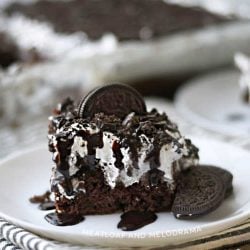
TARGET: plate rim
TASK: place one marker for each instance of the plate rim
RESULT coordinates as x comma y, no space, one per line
194,118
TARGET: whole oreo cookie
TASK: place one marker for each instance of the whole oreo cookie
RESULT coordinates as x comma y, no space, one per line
200,190
113,99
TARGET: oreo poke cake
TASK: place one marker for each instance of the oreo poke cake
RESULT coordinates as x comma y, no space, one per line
112,155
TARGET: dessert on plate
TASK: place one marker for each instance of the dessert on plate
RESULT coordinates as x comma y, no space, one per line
112,155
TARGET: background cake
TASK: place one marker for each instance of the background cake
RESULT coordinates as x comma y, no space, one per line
190,42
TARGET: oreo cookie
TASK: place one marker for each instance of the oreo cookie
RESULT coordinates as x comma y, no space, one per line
113,99
226,177
200,190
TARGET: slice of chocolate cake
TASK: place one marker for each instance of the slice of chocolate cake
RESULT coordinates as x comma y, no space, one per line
111,154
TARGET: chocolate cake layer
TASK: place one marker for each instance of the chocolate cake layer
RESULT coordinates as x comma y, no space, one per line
127,20
106,163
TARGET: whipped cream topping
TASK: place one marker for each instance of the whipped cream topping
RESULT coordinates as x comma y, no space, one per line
107,160
168,155
79,147
143,165
171,156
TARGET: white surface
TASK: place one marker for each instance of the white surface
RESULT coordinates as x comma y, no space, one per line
211,100
26,174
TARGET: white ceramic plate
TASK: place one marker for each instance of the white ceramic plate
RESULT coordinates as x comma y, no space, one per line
28,173
214,102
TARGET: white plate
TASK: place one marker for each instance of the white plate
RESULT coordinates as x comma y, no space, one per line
214,102
26,174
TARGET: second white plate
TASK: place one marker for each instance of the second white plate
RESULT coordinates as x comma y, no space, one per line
214,102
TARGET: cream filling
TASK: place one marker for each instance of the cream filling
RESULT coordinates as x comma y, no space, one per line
107,159
129,174
143,166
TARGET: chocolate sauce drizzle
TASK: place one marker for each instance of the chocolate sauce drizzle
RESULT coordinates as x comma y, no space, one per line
134,220
45,204
130,221
53,219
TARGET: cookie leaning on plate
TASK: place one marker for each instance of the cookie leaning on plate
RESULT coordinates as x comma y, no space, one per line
200,191
119,157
